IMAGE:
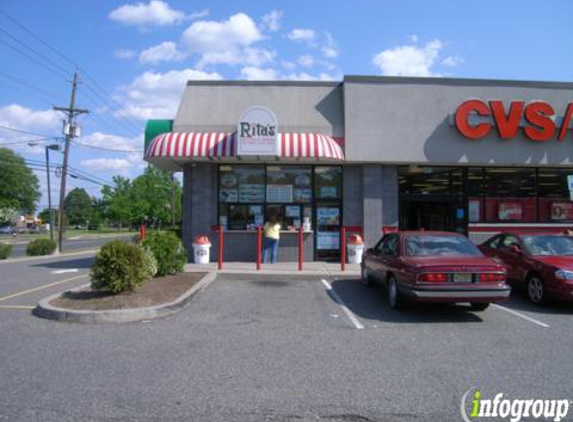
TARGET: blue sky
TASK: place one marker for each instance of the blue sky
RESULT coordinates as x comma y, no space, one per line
135,57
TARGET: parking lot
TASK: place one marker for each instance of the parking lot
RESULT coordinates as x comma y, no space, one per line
277,348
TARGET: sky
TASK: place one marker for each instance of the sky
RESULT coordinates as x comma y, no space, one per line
134,58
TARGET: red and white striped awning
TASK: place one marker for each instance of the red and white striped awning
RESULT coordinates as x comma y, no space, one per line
191,146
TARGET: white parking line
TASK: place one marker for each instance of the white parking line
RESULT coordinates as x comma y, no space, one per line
357,324
71,270
520,315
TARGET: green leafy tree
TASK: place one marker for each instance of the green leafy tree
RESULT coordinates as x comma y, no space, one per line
116,202
79,207
44,215
8,216
19,187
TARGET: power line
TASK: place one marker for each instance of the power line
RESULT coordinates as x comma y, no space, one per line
57,73
35,88
27,132
107,149
26,141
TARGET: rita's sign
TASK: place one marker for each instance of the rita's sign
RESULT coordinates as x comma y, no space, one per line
475,119
257,132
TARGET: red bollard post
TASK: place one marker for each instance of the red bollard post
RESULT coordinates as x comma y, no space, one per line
259,248
142,232
300,244
220,263
343,249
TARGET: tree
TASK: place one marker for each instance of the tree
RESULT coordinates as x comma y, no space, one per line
116,201
19,187
79,206
44,215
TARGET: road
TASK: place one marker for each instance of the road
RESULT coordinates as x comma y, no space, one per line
273,348
70,245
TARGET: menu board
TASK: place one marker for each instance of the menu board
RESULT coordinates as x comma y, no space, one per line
562,211
327,240
279,193
251,192
509,211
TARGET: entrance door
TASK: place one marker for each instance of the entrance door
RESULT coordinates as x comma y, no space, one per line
327,231
439,214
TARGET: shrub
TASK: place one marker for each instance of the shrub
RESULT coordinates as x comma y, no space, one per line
39,247
5,250
168,251
120,267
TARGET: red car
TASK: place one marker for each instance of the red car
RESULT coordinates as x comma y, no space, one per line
540,262
427,266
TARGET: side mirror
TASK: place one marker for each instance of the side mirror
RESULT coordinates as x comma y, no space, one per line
515,249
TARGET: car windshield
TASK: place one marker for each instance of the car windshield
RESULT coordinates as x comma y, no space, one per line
548,245
428,245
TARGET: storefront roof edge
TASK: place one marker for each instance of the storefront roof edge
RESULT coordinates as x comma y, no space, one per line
456,81
263,83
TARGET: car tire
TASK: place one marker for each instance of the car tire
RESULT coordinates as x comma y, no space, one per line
365,278
479,307
394,297
536,291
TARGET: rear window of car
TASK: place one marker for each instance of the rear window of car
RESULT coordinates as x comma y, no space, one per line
440,245
548,245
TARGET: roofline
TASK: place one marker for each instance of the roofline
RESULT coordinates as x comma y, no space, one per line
456,81
332,84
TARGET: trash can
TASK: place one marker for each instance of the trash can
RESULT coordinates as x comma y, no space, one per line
355,249
201,249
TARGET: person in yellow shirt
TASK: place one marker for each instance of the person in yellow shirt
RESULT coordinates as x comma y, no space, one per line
271,232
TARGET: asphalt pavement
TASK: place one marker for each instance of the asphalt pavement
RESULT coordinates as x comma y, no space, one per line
273,348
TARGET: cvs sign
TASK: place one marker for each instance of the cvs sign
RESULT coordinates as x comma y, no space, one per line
539,120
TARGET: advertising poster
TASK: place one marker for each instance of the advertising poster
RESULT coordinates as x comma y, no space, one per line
327,240
228,195
562,211
327,216
279,193
327,192
292,211
474,210
302,195
251,193
509,211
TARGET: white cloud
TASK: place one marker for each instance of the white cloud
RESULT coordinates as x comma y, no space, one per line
288,65
306,60
154,95
226,42
24,118
409,60
106,140
303,76
302,35
165,52
413,38
124,53
156,13
120,165
252,73
271,21
452,61
330,49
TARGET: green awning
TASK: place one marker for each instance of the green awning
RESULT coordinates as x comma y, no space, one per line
156,127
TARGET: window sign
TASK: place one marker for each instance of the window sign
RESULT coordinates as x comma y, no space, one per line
328,216
327,192
509,211
562,211
228,195
292,211
474,210
302,195
251,193
257,132
279,193
327,240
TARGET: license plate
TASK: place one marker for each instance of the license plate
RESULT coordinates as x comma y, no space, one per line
462,278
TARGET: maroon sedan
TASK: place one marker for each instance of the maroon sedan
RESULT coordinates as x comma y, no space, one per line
540,262
427,266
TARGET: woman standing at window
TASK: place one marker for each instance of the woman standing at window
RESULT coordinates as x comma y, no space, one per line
271,232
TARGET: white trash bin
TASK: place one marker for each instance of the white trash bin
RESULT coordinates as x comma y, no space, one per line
201,250
355,249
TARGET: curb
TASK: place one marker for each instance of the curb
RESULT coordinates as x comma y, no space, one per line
52,256
47,311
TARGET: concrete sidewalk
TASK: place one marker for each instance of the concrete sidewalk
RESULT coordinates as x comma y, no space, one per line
309,268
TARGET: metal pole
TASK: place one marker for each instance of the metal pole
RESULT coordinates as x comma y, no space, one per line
343,248
220,263
300,244
172,201
258,248
49,194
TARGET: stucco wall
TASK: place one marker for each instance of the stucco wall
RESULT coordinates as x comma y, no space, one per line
407,120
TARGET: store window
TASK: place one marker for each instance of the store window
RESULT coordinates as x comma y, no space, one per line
328,182
510,195
554,199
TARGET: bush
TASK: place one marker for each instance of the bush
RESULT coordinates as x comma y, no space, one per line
120,267
168,251
5,250
39,247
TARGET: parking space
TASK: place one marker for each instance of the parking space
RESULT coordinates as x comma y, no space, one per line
269,347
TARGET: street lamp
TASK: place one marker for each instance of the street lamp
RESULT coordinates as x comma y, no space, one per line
53,147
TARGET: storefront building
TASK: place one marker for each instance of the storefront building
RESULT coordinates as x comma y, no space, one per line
368,153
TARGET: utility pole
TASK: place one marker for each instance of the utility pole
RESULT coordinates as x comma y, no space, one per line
55,147
70,132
